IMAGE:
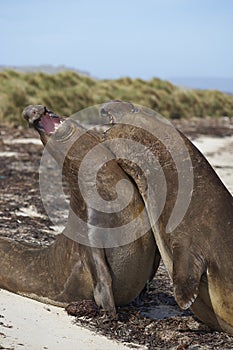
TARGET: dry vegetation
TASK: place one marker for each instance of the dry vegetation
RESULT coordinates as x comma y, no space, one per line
67,92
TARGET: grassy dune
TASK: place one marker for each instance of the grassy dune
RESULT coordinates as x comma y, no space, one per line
67,92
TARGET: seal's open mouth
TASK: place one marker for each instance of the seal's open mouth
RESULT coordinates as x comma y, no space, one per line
48,122
42,119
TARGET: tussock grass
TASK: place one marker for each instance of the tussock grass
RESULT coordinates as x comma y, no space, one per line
67,92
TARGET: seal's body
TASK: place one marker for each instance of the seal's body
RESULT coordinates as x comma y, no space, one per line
112,272
196,245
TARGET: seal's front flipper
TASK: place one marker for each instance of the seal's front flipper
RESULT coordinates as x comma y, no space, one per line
188,267
102,280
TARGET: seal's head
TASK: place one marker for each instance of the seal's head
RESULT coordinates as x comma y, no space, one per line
44,121
114,110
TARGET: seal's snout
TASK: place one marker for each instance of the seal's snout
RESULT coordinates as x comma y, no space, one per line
33,113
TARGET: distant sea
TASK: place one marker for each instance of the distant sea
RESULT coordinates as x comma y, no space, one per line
221,84
46,68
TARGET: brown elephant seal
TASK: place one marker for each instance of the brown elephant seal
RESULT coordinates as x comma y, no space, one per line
57,274
68,271
196,246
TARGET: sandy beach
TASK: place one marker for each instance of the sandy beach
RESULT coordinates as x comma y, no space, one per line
28,324
219,153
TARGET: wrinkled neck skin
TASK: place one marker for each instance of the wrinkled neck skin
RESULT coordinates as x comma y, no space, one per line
68,146
62,146
60,143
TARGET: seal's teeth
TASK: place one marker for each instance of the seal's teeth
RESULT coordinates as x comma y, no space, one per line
57,126
187,305
53,115
190,302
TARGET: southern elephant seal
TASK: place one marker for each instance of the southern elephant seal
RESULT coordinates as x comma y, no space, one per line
69,271
194,227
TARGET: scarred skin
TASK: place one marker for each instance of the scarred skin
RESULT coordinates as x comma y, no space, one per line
68,271
198,251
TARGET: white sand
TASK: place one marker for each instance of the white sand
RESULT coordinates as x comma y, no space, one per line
35,141
219,152
28,324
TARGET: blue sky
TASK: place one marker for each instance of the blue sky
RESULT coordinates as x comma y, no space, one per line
110,39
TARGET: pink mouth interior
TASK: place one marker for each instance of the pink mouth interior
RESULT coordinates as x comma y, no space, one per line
49,124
